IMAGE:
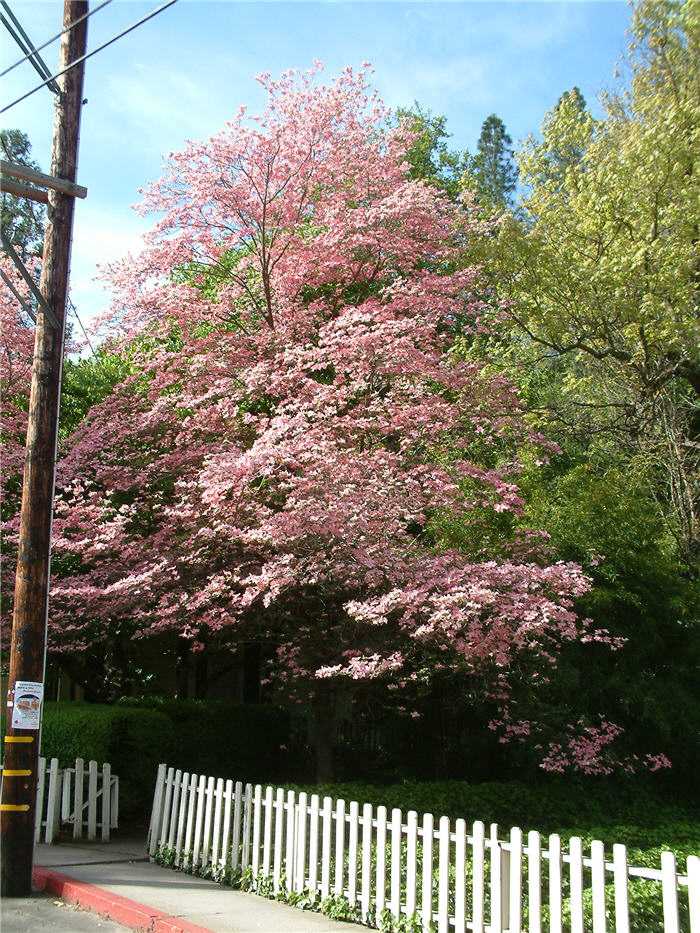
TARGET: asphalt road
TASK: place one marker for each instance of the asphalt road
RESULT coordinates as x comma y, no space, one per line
47,912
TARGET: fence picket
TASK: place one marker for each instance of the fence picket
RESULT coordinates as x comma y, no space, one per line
289,854
576,883
326,827
41,783
354,819
225,857
339,881
52,816
460,876
620,875
173,808
300,870
66,795
515,912
182,816
247,825
78,804
236,832
598,885
395,873
314,816
555,896
106,815
114,806
478,887
216,831
257,814
267,833
411,862
444,875
380,878
167,803
427,873
670,892
366,880
199,819
92,801
496,885
279,838
208,819
534,877
188,859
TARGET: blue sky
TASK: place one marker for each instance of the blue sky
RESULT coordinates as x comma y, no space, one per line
183,74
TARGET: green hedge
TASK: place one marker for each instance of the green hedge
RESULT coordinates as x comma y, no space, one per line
133,741
546,807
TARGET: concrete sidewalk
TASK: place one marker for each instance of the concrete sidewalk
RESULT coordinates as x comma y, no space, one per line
116,880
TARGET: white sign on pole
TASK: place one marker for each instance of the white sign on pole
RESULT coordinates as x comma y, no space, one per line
26,713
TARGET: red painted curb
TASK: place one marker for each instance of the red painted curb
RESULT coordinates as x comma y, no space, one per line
113,906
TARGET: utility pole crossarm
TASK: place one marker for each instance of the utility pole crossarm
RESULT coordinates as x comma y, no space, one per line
23,191
40,179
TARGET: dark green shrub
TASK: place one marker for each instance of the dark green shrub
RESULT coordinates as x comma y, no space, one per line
242,741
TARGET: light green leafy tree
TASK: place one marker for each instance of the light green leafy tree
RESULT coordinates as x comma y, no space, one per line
601,269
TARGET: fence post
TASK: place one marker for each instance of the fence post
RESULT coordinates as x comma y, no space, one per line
154,828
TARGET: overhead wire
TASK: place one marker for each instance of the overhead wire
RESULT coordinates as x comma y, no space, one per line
74,310
90,54
14,27
58,35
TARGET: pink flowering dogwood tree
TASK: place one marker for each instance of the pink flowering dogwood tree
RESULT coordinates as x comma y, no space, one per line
295,430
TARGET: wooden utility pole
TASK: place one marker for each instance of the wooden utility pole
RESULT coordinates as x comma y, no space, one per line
27,652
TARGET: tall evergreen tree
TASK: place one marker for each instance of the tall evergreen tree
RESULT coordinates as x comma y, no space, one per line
21,219
493,168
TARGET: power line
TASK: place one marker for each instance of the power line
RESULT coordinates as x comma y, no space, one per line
25,43
58,35
72,308
89,54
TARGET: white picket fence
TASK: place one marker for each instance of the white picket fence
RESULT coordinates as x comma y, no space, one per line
86,798
456,879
